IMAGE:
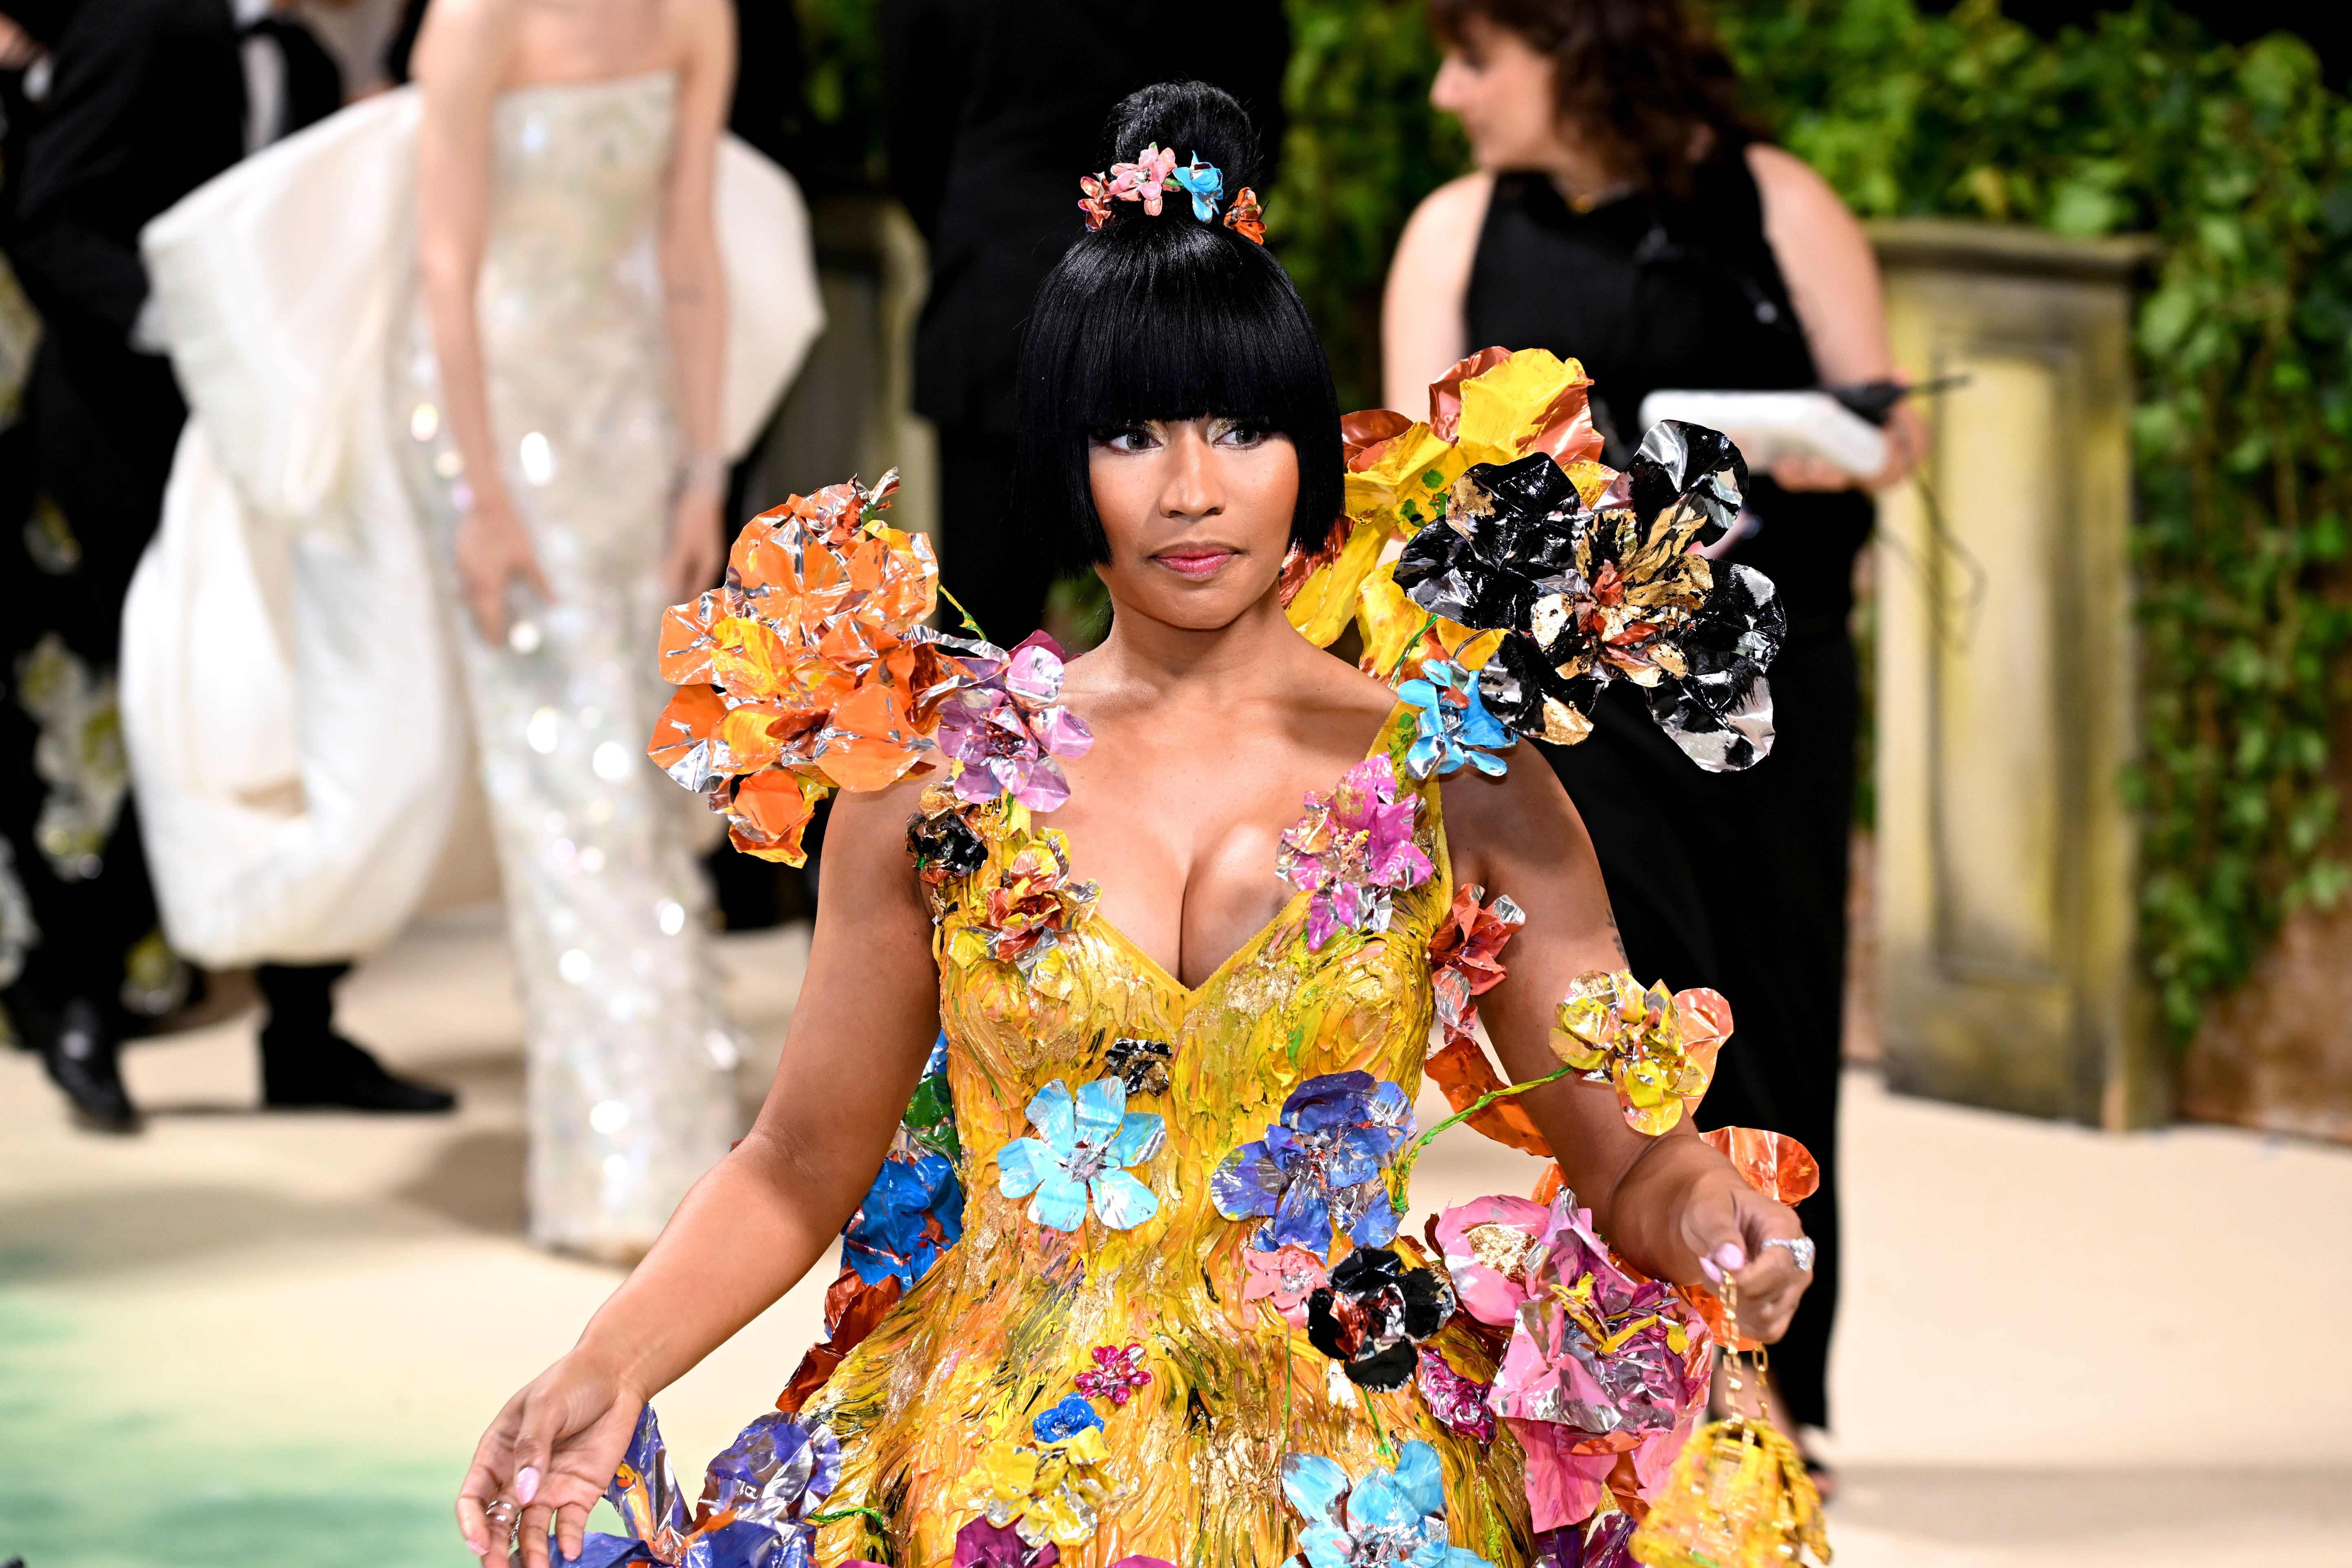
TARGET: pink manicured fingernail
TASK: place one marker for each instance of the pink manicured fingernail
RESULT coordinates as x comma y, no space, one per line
526,1483
1706,1266
474,1544
1730,1255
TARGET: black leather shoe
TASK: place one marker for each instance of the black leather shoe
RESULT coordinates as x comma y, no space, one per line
333,1071
81,1057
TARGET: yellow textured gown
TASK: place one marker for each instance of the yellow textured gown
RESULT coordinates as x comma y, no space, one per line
948,1383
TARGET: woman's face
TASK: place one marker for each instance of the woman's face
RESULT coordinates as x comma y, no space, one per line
1197,513
1502,91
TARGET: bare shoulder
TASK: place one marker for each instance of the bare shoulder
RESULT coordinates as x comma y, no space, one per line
1522,821
1457,202
1798,203
1442,233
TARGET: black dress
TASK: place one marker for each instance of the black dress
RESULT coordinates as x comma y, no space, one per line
1731,880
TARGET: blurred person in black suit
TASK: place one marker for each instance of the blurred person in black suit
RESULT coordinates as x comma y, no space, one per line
995,108
147,100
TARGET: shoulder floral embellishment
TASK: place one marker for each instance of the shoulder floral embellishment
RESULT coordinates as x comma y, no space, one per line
1451,724
1353,851
1388,1517
1321,1167
1083,1146
1007,732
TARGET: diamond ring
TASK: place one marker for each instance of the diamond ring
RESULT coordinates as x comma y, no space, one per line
1801,1249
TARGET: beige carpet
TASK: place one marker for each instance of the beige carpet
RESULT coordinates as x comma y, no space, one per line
268,1341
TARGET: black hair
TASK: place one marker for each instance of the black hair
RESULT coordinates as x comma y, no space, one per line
1169,318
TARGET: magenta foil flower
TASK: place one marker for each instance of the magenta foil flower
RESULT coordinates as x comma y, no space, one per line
1117,1374
1007,733
1353,851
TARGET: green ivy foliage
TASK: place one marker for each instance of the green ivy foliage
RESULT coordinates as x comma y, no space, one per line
2238,159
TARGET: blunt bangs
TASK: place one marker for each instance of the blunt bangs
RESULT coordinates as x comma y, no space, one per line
1167,319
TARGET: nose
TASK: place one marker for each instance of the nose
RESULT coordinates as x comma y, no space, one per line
1194,488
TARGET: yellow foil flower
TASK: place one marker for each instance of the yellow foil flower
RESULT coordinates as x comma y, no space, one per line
1656,1048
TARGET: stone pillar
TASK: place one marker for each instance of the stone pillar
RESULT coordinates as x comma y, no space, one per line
851,411
2007,921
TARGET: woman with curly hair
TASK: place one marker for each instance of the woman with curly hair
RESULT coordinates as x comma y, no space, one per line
1627,211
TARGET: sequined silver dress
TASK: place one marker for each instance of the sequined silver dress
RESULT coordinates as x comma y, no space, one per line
631,1095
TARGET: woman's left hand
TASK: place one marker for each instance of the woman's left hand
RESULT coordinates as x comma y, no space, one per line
1729,1225
697,545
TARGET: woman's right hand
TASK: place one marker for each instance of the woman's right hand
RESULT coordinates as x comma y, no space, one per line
551,1452
493,546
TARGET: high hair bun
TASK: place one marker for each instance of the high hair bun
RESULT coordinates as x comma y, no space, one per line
1185,118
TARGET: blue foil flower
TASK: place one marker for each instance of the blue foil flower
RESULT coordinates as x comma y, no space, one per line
1319,1169
1073,1415
912,1212
1451,723
1390,1518
1083,1146
756,1499
1206,183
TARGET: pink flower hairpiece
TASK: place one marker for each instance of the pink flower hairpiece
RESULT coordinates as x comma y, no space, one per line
1155,172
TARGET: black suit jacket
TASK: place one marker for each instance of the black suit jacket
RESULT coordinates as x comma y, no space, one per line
147,102
996,110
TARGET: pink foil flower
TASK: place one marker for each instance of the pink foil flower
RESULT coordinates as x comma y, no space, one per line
1006,734
1352,850
1144,179
1287,1276
1603,1362
1117,1374
1488,1244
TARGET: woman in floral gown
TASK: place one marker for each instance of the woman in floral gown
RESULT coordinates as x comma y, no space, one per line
1181,1024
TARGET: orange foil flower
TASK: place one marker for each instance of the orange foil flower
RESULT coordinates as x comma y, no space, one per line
811,670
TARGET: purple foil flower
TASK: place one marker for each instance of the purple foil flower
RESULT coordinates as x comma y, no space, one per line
756,1498
1353,850
1459,1403
980,1544
1006,734
1319,1169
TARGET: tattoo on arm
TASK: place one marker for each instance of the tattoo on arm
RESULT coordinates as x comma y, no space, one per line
1615,940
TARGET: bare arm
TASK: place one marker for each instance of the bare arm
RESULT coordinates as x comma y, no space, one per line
695,295
1422,329
462,57
1832,277
765,1214
1671,1205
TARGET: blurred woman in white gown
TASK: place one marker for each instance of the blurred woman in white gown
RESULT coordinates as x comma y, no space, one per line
564,445
560,387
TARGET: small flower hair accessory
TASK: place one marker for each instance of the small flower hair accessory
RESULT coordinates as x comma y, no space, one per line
1155,172
1245,218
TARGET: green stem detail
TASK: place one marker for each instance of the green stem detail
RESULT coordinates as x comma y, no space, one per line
1400,1176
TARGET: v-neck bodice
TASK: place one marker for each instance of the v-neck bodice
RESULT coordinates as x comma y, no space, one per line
1009,1314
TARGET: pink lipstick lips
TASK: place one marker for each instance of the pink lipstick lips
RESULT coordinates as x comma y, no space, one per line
1199,562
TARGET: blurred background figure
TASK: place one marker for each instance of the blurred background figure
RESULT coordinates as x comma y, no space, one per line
992,105
1626,213
144,101
580,397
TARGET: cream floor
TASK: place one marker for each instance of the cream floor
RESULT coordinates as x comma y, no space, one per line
268,1340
